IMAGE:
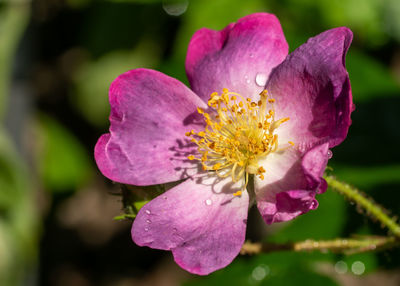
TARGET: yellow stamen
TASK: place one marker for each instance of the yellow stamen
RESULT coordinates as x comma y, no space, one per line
237,194
191,132
217,166
237,135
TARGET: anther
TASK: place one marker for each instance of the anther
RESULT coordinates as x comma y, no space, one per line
216,166
237,194
191,132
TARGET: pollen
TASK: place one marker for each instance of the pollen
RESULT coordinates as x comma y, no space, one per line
237,194
238,134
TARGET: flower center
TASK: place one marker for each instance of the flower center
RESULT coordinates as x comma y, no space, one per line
237,135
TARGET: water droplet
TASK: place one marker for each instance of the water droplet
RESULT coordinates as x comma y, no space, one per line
248,81
358,267
148,211
314,205
174,229
260,272
341,267
330,154
175,8
148,221
146,229
165,197
208,202
261,79
251,55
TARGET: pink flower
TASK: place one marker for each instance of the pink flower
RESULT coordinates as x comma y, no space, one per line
253,111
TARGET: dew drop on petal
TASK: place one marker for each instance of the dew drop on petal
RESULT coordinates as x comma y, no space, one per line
174,229
175,8
148,211
330,154
148,221
251,55
165,197
146,229
261,79
313,204
208,202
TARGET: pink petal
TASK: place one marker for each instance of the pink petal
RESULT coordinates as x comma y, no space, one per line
312,87
233,57
150,113
201,222
291,182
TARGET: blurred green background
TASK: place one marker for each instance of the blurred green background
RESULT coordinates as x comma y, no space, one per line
57,60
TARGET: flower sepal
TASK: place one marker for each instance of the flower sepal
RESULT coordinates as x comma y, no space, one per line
135,197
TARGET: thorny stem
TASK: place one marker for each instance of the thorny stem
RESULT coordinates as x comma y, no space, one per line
366,203
340,245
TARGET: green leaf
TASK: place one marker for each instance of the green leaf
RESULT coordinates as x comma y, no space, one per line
64,163
12,181
19,223
93,79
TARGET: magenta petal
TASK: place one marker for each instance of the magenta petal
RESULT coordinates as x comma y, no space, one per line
312,88
314,163
233,57
290,204
291,182
202,223
150,113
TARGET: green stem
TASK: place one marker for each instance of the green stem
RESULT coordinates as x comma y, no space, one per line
345,244
338,245
368,204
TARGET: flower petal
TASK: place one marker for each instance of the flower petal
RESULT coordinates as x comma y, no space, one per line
233,57
291,182
150,113
201,222
312,88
